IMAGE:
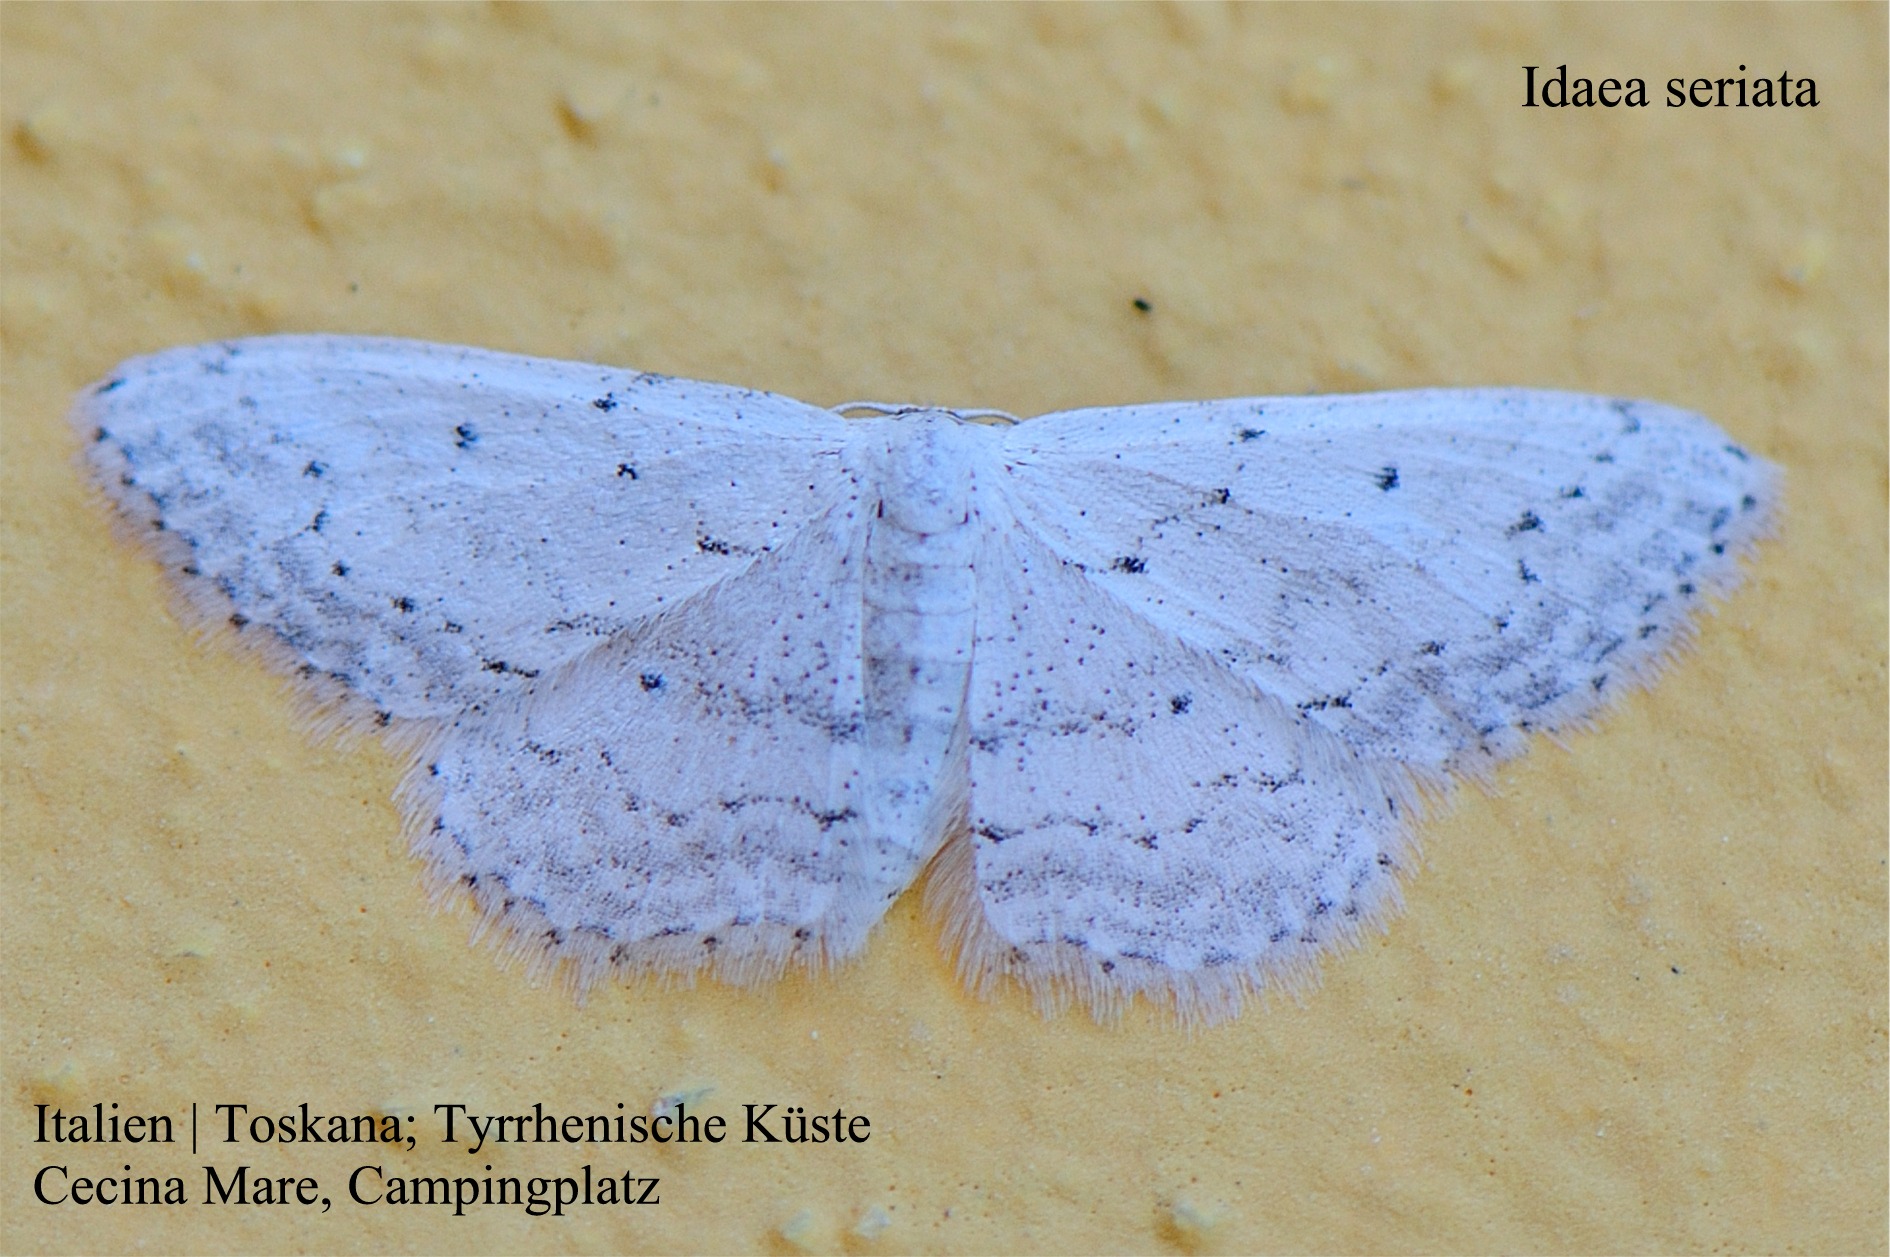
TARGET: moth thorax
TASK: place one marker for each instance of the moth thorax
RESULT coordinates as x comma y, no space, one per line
926,475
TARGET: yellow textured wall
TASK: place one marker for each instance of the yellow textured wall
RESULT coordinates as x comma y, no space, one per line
1638,998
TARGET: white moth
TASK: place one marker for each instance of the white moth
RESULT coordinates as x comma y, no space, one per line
699,677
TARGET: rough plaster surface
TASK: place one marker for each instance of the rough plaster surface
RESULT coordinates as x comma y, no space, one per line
1638,998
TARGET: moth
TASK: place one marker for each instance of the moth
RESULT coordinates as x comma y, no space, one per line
698,678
